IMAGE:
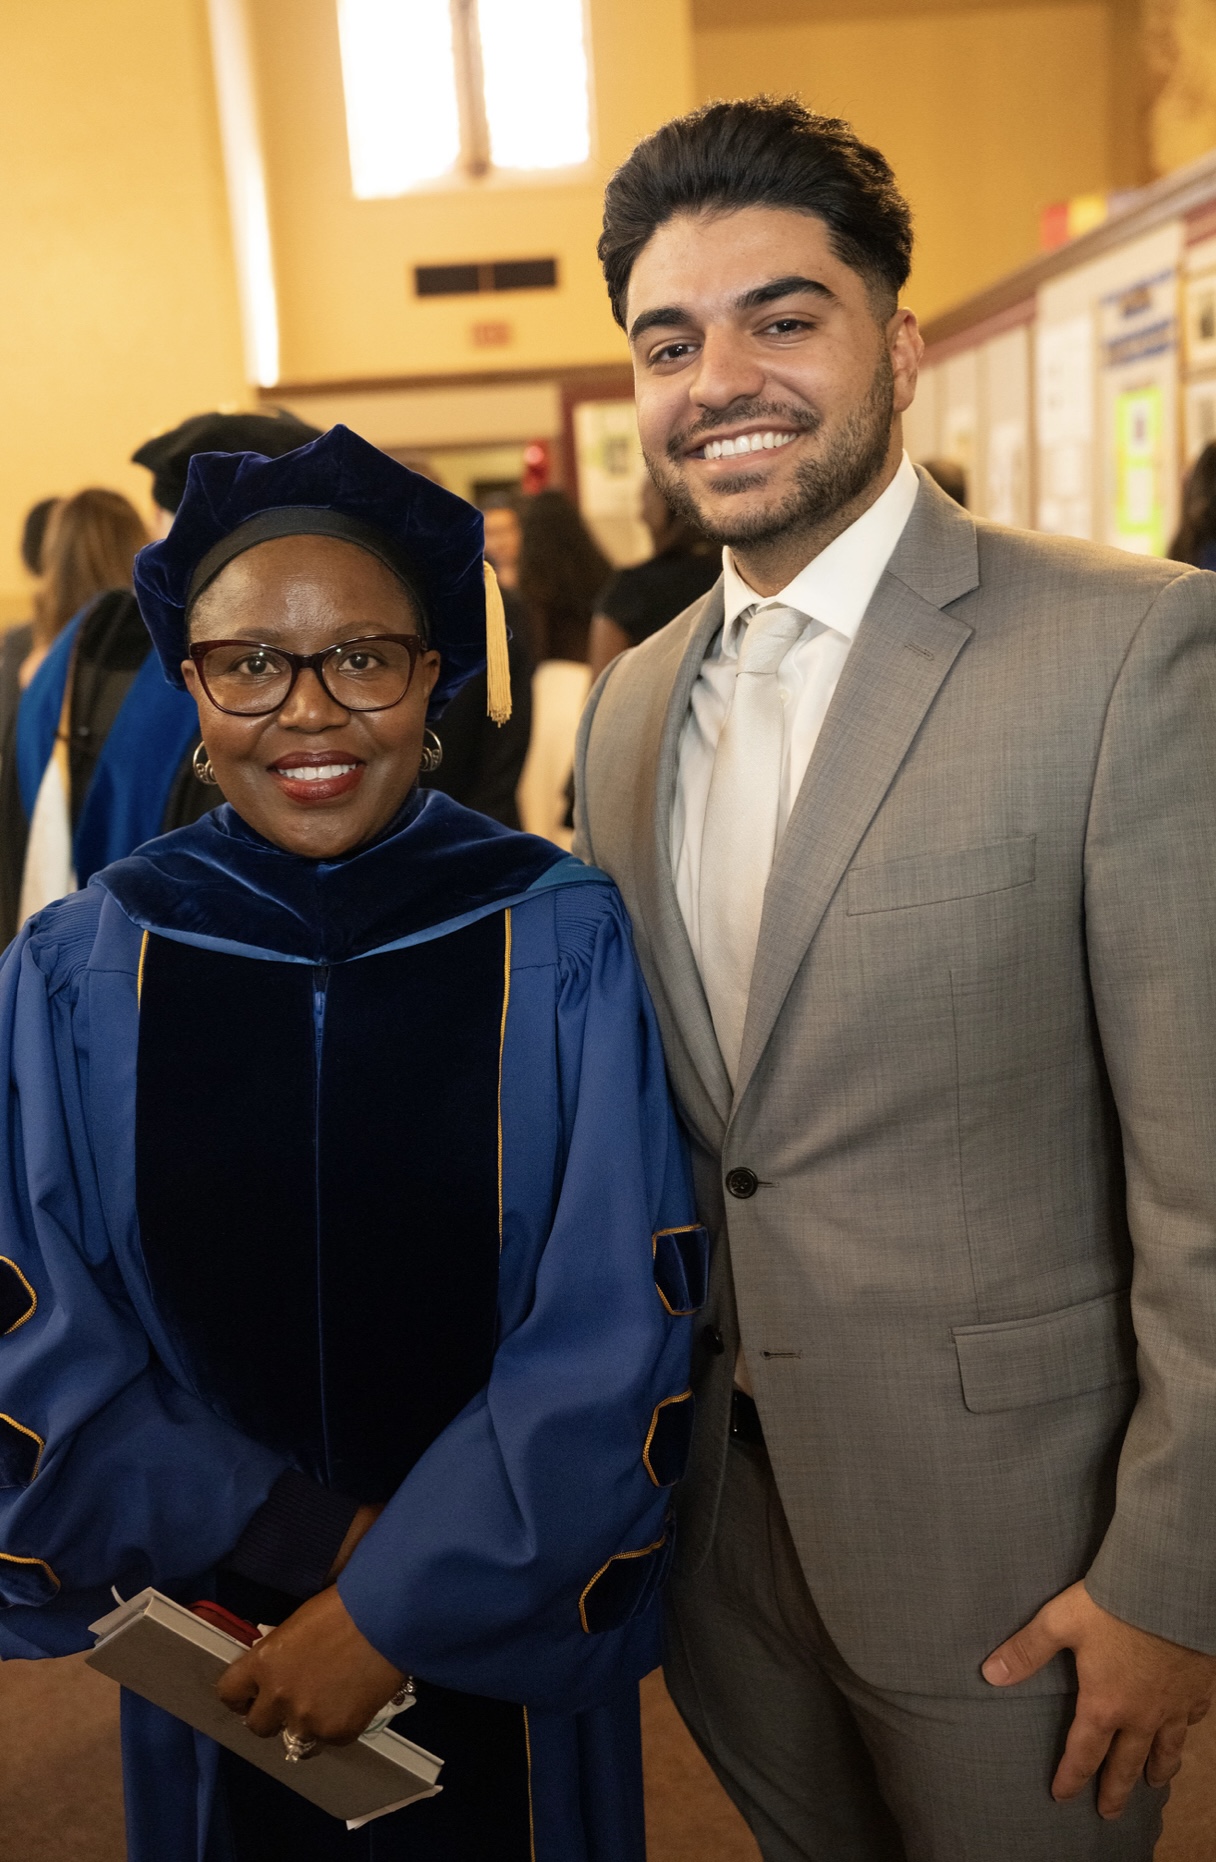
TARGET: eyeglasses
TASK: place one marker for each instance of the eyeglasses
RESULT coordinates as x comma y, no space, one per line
248,680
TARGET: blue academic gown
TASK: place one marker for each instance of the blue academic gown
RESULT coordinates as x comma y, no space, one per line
512,1250
128,795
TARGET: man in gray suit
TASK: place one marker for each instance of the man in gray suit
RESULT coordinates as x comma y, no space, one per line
916,819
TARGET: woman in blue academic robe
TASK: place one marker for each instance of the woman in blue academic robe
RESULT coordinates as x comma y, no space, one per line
346,1242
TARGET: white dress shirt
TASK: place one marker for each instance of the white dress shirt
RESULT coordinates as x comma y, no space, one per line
833,592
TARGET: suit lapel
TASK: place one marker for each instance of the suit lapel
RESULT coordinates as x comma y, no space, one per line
903,652
707,1096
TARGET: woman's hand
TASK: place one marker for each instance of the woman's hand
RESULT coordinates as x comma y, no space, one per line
363,1522
315,1675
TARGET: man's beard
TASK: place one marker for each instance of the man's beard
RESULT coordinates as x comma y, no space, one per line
822,486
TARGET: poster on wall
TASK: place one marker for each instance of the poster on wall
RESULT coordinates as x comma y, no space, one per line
1200,416
1139,335
1003,483
1201,321
1140,464
611,473
1007,500
1065,414
959,414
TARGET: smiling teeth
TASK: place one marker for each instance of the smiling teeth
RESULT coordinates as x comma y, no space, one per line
746,443
317,772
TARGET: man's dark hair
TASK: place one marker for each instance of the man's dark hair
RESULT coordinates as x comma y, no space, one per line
761,152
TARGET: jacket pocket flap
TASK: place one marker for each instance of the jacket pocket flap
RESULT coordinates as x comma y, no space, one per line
932,878
1059,1354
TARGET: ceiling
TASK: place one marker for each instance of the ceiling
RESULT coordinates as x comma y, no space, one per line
738,15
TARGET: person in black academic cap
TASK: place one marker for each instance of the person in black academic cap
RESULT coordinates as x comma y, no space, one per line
168,456
126,737
349,1231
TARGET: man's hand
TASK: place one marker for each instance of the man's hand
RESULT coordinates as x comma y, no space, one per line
1137,1694
315,1675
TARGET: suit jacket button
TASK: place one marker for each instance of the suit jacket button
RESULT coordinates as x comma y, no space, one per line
742,1182
714,1341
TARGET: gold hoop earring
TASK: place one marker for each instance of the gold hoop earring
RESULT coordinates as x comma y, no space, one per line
432,752
200,762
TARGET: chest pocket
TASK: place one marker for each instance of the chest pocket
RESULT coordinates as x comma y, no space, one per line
934,878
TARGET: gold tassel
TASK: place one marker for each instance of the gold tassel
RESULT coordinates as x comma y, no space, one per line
498,666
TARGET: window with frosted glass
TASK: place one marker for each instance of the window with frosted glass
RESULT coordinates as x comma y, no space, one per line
462,87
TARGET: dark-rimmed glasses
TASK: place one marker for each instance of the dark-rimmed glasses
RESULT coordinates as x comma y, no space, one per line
249,680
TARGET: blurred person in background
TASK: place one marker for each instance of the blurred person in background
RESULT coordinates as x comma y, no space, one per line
1196,539
104,747
504,534
168,456
949,474
33,533
481,762
88,544
639,600
86,559
561,572
16,643
473,759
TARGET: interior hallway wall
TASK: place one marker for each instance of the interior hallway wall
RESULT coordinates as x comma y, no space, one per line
1180,53
119,300
344,266
987,113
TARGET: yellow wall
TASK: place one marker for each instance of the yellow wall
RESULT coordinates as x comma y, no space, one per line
1180,43
119,307
120,311
985,115
345,266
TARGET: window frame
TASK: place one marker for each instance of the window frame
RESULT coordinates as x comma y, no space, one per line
474,166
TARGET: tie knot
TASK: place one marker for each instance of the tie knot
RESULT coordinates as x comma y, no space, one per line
771,632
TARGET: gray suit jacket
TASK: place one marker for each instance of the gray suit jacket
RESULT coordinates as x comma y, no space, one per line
977,1282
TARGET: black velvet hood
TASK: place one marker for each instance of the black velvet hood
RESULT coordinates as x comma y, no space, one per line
221,884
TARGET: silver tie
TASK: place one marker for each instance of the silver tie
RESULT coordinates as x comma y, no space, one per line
741,821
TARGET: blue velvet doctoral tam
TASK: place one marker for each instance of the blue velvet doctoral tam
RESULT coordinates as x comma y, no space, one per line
352,1181
438,535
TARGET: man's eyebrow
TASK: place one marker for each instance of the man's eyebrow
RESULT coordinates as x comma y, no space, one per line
793,285
672,317
669,317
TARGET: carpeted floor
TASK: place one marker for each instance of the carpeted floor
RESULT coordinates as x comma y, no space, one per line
60,1796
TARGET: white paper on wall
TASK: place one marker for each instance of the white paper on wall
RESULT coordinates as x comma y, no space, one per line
1064,398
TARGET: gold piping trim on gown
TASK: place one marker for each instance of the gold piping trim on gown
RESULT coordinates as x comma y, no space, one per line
139,979
641,1552
531,1817
685,1228
11,1558
502,1043
683,1397
34,1437
18,1323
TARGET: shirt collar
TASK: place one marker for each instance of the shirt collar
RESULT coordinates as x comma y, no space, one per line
836,587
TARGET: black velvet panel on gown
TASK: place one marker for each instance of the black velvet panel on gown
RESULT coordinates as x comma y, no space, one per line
317,1181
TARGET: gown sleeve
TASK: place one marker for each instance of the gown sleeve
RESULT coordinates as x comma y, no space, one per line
522,1555
111,1473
